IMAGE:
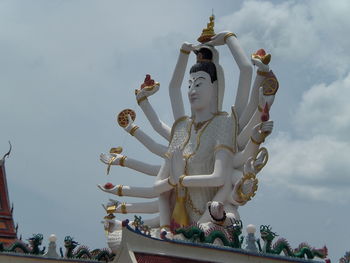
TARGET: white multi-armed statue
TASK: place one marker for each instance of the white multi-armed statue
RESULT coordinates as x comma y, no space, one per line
212,159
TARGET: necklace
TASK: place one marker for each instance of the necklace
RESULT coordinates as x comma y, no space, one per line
199,125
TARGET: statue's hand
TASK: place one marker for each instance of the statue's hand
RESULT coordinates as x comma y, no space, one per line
106,158
130,124
146,92
110,190
254,164
217,210
260,160
262,130
261,66
177,163
188,47
266,128
249,167
263,99
218,39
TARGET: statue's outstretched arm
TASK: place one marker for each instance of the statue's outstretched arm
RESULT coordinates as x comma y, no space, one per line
143,192
136,165
262,72
246,132
244,65
244,135
163,187
222,168
176,81
253,102
132,191
259,133
163,182
159,126
146,140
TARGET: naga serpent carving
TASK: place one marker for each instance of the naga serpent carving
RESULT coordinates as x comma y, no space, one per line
282,245
83,252
33,248
194,233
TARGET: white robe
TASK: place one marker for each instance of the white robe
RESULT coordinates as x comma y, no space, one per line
199,150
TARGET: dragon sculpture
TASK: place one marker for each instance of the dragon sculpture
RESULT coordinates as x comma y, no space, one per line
83,252
195,234
346,258
282,245
33,248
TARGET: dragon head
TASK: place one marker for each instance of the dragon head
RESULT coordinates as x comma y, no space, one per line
235,227
35,240
69,243
346,258
266,233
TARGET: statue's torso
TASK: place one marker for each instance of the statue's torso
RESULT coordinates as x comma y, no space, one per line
199,150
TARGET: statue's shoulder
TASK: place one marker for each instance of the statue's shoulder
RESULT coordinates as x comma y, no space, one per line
180,122
183,119
224,118
226,130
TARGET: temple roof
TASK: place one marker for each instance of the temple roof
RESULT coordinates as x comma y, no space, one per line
7,229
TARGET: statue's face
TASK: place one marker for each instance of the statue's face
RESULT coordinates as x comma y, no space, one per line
201,90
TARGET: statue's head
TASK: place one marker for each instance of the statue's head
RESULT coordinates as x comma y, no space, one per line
202,91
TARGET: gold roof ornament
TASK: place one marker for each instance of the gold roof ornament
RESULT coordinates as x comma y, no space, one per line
207,32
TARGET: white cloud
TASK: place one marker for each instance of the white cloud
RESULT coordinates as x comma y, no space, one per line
316,165
325,109
305,32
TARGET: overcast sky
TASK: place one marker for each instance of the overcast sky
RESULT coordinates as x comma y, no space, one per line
68,67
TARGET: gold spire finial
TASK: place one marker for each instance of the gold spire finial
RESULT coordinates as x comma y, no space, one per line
208,32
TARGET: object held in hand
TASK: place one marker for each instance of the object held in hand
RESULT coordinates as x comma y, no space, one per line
248,179
148,84
108,186
265,116
262,56
123,117
117,150
110,164
270,85
207,32
109,216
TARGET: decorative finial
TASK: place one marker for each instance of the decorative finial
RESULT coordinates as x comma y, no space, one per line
208,32
8,153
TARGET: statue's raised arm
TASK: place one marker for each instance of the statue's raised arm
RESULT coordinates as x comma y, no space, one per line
243,63
177,79
148,88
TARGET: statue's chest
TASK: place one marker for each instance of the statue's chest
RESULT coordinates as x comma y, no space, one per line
195,145
180,135
200,145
